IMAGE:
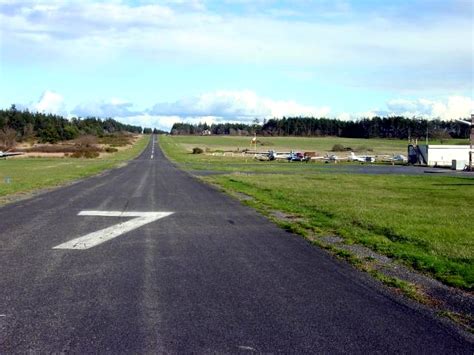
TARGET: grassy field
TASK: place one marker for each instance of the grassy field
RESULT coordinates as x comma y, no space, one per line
424,221
320,144
225,153
24,175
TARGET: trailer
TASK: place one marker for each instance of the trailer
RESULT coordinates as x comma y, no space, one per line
439,155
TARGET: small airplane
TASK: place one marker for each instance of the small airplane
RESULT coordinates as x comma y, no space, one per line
331,158
399,157
298,156
362,158
265,156
8,154
280,155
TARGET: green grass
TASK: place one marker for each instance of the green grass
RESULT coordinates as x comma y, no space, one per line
24,175
424,221
179,149
319,144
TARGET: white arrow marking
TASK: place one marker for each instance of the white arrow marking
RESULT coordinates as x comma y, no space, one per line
95,238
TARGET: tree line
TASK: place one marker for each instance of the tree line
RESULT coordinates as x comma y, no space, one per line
398,127
20,125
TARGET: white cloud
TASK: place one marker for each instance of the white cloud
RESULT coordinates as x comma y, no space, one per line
235,105
453,108
50,102
244,106
151,121
105,108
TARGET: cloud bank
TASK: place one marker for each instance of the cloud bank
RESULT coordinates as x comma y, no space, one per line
235,105
242,106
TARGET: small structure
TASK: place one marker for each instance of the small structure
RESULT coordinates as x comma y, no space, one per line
439,155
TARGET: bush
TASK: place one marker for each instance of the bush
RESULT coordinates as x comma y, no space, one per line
88,141
338,148
85,154
111,150
118,139
88,154
197,150
76,154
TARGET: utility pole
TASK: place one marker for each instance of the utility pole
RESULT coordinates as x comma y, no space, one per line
471,138
427,126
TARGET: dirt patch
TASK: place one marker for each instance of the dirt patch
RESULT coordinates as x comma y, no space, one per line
243,197
281,216
40,155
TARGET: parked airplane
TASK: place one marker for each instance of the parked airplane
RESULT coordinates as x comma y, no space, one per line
298,156
8,154
281,155
399,157
362,158
332,158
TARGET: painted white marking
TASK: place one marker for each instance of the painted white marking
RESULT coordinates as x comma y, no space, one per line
243,347
95,238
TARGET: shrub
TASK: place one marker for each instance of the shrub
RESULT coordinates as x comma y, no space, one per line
337,148
88,154
77,154
86,141
111,150
84,154
197,150
118,139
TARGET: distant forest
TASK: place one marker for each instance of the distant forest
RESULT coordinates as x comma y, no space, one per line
376,127
17,126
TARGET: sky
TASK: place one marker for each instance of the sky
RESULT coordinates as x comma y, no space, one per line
153,63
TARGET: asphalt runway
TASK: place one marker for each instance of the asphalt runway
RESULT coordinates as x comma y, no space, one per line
99,266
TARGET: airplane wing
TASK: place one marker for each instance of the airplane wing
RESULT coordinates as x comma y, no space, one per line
9,154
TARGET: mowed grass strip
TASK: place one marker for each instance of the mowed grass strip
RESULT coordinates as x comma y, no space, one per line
428,222
24,175
425,221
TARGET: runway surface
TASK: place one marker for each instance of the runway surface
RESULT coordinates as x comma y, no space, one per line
148,259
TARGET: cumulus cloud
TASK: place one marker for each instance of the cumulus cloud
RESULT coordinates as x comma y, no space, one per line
50,102
105,108
243,107
235,105
453,108
151,121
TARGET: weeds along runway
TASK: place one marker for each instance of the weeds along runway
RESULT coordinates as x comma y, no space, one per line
153,260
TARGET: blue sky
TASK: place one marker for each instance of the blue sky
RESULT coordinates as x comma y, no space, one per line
153,63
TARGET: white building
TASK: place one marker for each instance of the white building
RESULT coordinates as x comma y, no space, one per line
443,155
